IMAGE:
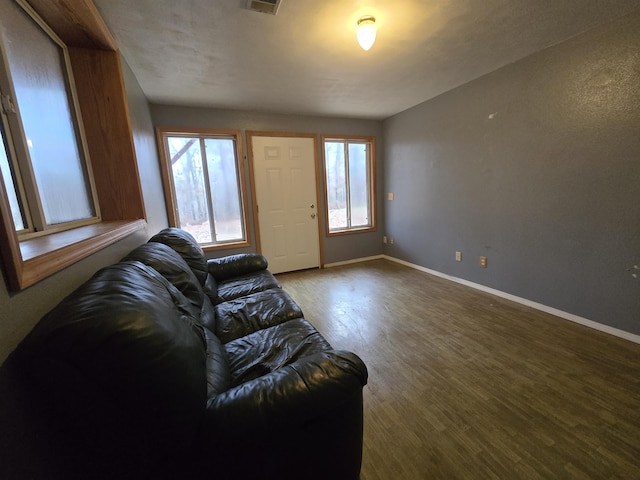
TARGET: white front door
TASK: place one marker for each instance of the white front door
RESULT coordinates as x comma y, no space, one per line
285,181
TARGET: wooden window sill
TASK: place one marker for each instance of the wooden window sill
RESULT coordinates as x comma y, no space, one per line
351,231
44,256
225,246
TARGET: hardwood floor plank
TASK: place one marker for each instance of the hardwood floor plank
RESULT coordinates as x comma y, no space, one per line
463,384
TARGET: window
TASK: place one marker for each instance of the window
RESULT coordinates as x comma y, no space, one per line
5,169
49,213
44,161
349,170
204,180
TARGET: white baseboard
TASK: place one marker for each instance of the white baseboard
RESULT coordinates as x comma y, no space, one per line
523,301
355,260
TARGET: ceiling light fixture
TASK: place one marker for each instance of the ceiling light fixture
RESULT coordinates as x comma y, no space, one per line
366,31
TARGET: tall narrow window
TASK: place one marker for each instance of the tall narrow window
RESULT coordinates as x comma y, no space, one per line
204,180
349,183
44,162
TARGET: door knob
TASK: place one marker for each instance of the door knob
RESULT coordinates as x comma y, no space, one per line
313,215
312,206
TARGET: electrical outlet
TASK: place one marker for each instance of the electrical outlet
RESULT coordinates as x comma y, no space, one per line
391,241
458,256
483,262
390,196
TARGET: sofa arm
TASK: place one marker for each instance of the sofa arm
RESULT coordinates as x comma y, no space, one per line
234,265
292,395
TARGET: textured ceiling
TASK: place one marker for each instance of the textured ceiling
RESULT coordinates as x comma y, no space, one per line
306,60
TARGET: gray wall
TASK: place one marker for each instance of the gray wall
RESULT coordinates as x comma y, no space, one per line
335,249
19,312
537,167
146,153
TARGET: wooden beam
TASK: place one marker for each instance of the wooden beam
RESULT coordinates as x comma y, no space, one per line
77,22
107,126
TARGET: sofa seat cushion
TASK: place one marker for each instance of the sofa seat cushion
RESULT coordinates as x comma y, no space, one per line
245,285
270,349
242,316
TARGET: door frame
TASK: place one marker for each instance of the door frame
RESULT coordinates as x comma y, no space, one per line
254,204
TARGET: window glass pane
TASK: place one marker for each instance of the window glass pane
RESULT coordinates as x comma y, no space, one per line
225,193
39,79
358,185
189,184
16,212
336,185
207,186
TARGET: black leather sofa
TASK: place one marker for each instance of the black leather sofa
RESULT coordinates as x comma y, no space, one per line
168,365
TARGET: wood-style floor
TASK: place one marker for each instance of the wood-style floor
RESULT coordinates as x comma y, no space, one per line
465,385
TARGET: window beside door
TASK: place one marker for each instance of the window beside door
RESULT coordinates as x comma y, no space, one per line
349,178
204,178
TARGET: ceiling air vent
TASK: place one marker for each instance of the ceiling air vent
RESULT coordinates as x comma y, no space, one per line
264,6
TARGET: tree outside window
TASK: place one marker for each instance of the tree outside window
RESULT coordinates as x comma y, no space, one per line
205,184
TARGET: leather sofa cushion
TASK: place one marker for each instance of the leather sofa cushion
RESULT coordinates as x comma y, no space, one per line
128,336
210,288
267,350
231,266
217,366
242,316
245,285
295,394
166,261
188,248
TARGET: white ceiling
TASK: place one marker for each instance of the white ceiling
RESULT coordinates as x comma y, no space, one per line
306,60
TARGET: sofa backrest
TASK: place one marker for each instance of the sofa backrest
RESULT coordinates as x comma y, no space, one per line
183,242
171,265
188,248
166,261
125,341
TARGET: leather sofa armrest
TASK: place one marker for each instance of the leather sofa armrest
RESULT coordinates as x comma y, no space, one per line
292,395
235,265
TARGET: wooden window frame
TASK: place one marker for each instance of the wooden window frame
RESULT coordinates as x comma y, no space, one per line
95,62
28,192
371,141
167,178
